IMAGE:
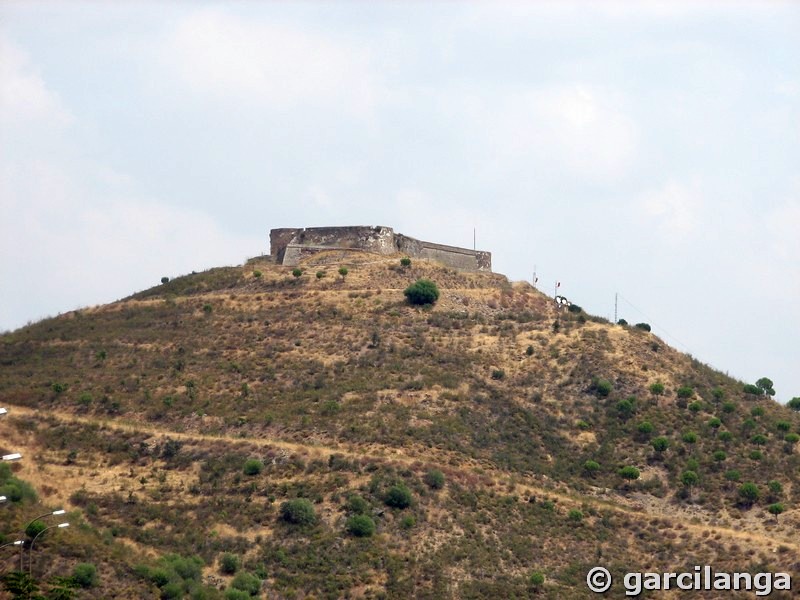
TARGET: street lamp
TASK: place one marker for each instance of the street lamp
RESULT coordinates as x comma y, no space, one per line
30,552
16,543
15,456
60,511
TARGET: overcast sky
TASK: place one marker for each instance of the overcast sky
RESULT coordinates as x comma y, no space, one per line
650,150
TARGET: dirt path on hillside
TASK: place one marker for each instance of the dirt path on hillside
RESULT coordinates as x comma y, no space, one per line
516,483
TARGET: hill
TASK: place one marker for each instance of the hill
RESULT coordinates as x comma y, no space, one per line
247,420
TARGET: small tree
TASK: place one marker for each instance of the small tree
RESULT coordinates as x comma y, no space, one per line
537,579
766,386
165,280
685,391
643,326
775,509
575,515
657,388
794,404
246,582
690,479
422,292
405,261
297,272
629,473
749,494
343,272
602,387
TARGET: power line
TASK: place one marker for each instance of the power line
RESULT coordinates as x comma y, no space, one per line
667,333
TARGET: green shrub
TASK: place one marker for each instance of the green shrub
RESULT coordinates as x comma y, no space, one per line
207,308
685,391
733,475
757,411
421,292
690,437
257,274
297,272
725,436
59,388
85,399
408,522
629,472
343,272
751,389
692,464
171,591
398,496
574,308
643,326
718,394
792,438
405,261
794,403
253,466
720,456
35,528
434,479
728,407
660,444
602,387
85,575
657,388
320,274
537,579
622,322
645,428
234,594
591,467
582,425
714,422
758,439
165,280
575,515
498,374
696,406
246,582
357,505
756,455
360,526
229,563
529,350
299,511
783,426
776,487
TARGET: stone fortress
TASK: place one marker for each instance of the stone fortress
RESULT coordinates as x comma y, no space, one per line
289,245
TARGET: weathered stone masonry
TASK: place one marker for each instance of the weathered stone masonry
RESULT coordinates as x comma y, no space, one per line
289,245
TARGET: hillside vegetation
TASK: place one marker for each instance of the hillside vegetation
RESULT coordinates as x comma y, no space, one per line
254,432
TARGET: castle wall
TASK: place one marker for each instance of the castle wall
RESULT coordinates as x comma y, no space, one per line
288,246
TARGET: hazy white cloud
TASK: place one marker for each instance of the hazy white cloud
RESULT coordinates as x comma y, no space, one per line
88,250
262,63
580,129
675,209
24,96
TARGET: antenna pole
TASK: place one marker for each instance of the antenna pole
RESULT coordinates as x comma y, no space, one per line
534,277
474,246
615,307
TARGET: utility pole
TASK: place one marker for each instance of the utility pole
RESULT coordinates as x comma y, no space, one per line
616,294
534,277
474,245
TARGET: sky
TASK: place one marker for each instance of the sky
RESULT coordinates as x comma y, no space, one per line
647,149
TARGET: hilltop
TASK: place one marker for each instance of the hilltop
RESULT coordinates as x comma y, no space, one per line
486,438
